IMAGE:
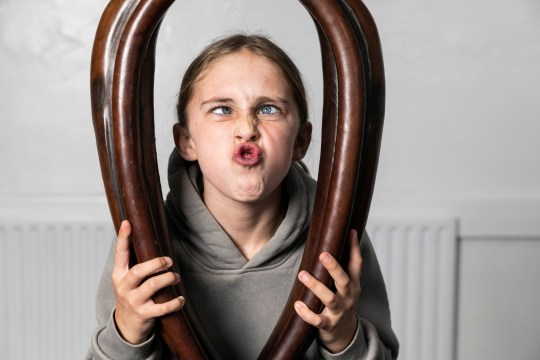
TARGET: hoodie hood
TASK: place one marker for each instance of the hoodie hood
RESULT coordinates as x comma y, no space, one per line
203,240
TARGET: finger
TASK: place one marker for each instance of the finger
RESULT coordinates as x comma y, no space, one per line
156,310
327,296
143,270
121,255
336,271
355,261
309,316
156,283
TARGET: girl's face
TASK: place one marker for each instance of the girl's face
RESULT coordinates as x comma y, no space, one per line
243,128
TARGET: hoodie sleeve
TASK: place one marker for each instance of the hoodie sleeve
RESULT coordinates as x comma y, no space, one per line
106,341
374,338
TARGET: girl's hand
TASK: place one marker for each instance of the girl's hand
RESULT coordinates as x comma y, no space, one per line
337,323
136,312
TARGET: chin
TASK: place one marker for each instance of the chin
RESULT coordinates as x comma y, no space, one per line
249,197
258,194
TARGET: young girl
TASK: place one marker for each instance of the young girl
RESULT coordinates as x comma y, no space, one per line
239,210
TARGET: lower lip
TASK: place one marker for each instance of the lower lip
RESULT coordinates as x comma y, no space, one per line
247,155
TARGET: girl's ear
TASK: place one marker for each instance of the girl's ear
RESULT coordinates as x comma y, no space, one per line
184,144
303,139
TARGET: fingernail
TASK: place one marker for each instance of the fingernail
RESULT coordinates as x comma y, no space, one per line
168,261
298,305
325,258
303,276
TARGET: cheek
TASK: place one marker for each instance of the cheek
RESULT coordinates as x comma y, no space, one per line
212,148
291,137
282,143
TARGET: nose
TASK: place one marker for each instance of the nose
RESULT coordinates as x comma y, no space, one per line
247,128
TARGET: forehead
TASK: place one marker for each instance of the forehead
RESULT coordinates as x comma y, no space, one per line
242,65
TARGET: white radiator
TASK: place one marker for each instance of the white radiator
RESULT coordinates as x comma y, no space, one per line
418,259
49,272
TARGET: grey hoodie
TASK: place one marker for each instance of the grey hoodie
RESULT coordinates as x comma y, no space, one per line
238,300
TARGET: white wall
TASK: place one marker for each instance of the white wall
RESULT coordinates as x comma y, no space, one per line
461,120
460,136
462,113
498,299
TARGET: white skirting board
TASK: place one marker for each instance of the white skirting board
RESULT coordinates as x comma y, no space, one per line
50,271
418,259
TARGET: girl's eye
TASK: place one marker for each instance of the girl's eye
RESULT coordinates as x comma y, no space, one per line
222,110
267,109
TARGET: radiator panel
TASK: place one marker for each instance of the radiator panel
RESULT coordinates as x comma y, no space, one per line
50,272
418,259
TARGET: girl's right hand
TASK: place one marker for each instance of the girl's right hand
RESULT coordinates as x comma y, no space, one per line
136,312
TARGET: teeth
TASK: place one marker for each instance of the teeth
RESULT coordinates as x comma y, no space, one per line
248,152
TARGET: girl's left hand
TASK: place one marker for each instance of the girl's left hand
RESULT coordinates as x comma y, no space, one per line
337,323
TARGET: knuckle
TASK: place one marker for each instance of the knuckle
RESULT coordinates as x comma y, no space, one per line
155,311
312,284
333,302
115,279
131,304
349,304
119,293
143,313
136,272
354,288
318,322
167,279
334,265
118,283
152,284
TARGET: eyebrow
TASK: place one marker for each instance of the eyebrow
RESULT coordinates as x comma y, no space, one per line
259,100
278,100
216,100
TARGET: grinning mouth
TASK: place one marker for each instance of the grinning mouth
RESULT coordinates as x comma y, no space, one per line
247,154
